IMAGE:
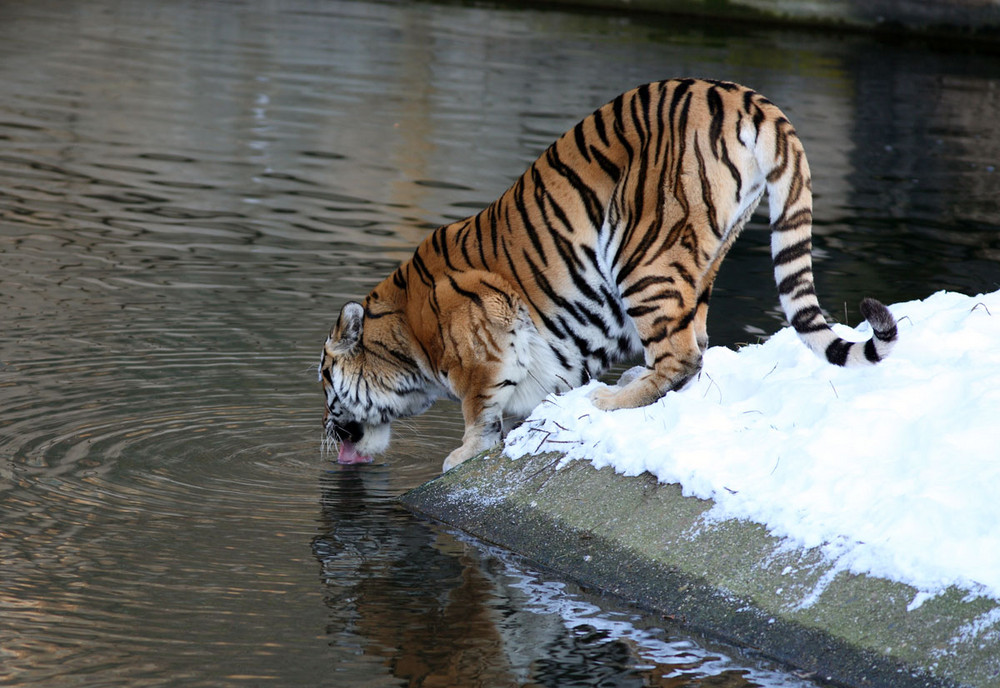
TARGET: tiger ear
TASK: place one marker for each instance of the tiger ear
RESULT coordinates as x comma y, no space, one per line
347,332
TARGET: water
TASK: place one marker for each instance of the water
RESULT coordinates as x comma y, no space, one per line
189,192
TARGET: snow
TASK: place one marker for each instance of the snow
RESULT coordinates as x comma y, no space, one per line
891,470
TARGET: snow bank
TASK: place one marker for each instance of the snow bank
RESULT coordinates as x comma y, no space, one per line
892,470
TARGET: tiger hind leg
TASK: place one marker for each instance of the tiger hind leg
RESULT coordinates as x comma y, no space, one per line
701,320
670,310
667,299
672,344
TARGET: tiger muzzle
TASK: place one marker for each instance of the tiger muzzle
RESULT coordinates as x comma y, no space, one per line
350,431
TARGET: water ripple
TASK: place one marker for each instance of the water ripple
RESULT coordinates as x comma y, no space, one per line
187,196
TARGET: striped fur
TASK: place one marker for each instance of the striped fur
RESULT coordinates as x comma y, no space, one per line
606,247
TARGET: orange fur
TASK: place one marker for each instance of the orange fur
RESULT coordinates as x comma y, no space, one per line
606,247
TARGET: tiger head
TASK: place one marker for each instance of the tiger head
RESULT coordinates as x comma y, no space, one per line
370,377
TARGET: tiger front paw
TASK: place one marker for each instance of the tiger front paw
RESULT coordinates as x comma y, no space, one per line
455,458
463,454
612,398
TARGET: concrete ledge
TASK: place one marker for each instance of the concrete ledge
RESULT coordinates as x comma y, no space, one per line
647,543
943,17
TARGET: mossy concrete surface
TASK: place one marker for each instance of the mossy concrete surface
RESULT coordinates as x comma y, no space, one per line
645,542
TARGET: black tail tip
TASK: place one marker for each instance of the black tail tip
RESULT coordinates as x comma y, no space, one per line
881,320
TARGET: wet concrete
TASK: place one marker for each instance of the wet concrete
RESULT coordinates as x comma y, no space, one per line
645,542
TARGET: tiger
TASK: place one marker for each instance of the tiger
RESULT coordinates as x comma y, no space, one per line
607,247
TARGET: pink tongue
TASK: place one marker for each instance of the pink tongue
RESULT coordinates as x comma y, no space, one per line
348,454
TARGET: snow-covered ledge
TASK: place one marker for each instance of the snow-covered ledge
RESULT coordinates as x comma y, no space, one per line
843,521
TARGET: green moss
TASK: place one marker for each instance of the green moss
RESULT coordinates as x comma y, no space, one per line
646,542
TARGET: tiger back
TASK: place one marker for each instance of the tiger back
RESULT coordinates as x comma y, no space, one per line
606,247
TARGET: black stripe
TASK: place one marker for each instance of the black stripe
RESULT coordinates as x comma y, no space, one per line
886,335
570,259
681,88
799,218
566,251
607,165
725,85
635,209
661,130
479,235
790,282
662,357
733,170
837,352
638,205
463,242
591,257
592,204
793,252
593,317
599,126
555,297
683,273
659,335
522,210
471,295
440,241
665,295
804,320
617,108
581,344
506,296
681,146
371,315
423,349
436,240
580,137
798,183
706,190
638,311
644,101
646,282
540,194
753,106
636,257
422,272
493,209
432,299
617,311
393,355
563,361
686,321
718,114
780,151
549,324
871,353
618,126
